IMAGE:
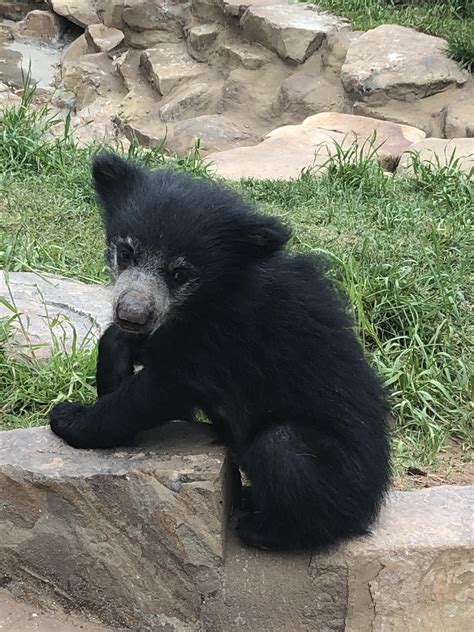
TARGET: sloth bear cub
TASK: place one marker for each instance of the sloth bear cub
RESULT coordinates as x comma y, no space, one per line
224,320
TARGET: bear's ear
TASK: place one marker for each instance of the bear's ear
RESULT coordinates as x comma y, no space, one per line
262,236
113,178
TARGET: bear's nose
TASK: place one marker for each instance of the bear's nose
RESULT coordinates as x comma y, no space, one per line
132,309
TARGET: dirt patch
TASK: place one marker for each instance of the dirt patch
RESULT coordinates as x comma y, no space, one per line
454,466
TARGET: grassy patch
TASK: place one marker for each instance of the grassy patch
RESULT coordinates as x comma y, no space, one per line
401,249
451,19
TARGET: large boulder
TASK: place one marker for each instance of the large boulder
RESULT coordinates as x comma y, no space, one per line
439,152
288,150
135,536
396,62
80,12
459,114
42,25
50,309
294,31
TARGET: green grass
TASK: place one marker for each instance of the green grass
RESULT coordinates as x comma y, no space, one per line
400,248
451,19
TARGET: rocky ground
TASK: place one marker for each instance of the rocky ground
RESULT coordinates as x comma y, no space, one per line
229,72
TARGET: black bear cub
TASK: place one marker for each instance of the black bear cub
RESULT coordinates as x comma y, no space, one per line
226,321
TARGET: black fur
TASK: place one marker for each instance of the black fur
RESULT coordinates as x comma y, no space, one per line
264,347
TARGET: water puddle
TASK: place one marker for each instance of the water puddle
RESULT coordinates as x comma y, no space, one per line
20,56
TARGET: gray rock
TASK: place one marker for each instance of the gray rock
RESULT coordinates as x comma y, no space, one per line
202,36
77,48
413,574
294,31
165,15
190,101
168,65
81,12
302,95
215,132
459,114
42,25
147,39
103,39
236,8
396,62
236,54
42,299
440,152
134,535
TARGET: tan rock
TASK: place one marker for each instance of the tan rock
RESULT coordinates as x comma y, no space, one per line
43,299
439,152
43,25
302,95
168,65
190,101
396,62
128,69
110,12
90,77
215,133
142,40
16,9
81,12
133,535
76,49
202,36
334,50
294,31
149,132
235,54
236,8
103,39
413,574
459,114
287,150
165,15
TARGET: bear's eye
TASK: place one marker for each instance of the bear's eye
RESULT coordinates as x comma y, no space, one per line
124,254
180,275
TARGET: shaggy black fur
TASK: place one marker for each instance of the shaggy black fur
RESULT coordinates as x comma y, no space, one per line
260,342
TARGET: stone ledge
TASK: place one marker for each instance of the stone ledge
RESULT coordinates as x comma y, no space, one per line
137,538
134,537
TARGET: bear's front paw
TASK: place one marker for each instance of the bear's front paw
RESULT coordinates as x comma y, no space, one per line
71,422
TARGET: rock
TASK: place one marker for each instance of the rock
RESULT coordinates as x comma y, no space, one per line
8,99
254,92
417,563
287,150
128,68
334,50
459,114
103,39
80,12
294,31
190,101
165,15
75,50
396,62
148,39
235,54
17,616
90,77
215,132
148,132
202,36
236,8
15,10
43,25
41,300
167,65
302,95
440,152
97,124
110,12
133,535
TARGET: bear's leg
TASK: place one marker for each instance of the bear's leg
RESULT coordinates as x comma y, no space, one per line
115,360
141,401
302,495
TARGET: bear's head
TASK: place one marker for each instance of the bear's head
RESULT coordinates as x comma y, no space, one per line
175,242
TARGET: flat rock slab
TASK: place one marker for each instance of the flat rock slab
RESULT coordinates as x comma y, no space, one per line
439,152
103,39
293,31
50,309
413,575
396,62
288,150
168,65
133,536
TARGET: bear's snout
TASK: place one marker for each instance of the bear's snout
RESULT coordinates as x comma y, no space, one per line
133,310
